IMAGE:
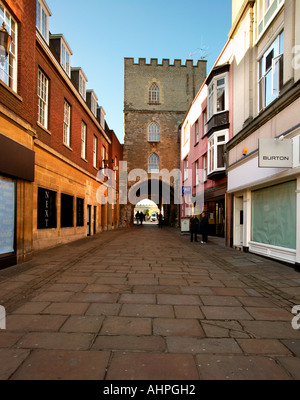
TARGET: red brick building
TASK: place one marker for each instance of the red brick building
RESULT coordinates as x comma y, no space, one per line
17,133
51,180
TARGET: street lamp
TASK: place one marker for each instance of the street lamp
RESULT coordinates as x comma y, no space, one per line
5,40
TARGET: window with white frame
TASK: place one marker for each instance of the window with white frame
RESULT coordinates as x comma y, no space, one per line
42,19
204,122
154,94
196,132
115,169
43,88
67,124
186,169
218,95
82,85
94,104
154,132
267,10
8,65
185,133
65,58
153,164
270,72
95,150
83,140
216,151
197,177
102,117
104,157
205,168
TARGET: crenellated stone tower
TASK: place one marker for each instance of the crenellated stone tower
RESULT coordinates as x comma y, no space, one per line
156,98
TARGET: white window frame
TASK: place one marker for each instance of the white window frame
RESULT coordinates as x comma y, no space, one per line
95,151
186,133
273,71
185,169
197,132
154,94
154,132
153,164
43,99
197,176
67,124
8,69
264,6
102,118
103,156
42,19
213,95
205,168
65,57
82,85
83,140
212,154
205,122
115,169
94,104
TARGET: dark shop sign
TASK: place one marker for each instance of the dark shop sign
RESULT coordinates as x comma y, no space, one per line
46,209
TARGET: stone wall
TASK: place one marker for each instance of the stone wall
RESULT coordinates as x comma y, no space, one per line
178,84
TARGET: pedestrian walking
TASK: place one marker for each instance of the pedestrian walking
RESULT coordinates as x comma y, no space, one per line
194,225
160,220
137,216
204,227
142,217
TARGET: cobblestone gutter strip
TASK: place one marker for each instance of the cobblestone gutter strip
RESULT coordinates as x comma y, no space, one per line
280,298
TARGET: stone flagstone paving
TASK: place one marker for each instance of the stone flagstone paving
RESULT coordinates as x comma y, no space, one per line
146,304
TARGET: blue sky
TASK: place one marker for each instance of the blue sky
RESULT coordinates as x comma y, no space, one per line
101,33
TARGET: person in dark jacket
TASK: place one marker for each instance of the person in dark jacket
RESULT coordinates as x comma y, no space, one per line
204,227
160,220
137,216
142,217
194,225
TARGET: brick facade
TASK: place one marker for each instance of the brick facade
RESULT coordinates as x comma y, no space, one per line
46,166
17,137
61,90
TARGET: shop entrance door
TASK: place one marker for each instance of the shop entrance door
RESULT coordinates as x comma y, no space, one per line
220,218
238,237
7,223
89,220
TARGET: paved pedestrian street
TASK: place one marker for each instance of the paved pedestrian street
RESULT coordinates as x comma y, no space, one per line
146,304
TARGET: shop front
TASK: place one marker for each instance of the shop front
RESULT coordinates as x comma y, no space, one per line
266,205
214,205
16,177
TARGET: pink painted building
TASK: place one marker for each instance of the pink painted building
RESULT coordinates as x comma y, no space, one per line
205,131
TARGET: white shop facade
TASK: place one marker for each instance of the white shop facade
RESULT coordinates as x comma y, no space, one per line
264,181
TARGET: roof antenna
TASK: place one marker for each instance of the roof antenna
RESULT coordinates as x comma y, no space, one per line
202,51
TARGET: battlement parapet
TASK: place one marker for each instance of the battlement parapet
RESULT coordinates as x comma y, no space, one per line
164,63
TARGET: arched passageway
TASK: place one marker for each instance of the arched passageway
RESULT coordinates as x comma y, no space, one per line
156,190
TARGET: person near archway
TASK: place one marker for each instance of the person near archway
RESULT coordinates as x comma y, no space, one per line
194,225
142,217
160,220
137,216
204,227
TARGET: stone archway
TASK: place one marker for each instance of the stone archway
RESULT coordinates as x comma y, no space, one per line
157,190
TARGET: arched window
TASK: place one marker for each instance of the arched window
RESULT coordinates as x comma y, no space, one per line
153,132
153,164
154,95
